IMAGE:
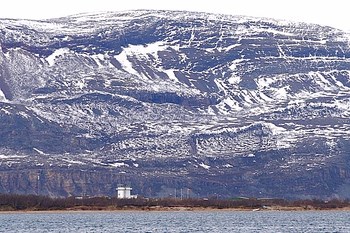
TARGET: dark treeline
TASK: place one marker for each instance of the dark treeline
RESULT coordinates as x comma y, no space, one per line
10,202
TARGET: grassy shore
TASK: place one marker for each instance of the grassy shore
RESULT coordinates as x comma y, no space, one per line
12,202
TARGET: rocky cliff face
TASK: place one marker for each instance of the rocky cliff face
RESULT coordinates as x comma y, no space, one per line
170,100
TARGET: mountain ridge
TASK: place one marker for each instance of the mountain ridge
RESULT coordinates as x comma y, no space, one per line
156,95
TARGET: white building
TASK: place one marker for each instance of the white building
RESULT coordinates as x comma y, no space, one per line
124,192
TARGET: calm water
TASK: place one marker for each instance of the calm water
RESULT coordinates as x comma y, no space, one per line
221,221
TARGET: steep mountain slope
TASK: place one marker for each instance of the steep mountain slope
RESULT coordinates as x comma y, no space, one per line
170,100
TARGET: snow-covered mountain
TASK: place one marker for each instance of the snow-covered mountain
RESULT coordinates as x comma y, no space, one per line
168,100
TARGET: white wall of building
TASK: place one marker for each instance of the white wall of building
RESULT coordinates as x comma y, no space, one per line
125,193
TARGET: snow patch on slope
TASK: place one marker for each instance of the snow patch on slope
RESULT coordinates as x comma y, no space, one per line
38,151
170,73
2,96
12,156
99,59
59,52
140,51
265,82
123,59
5,111
281,93
204,166
234,80
119,165
275,130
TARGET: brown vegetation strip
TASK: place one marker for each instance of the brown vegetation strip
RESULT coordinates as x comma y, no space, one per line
13,202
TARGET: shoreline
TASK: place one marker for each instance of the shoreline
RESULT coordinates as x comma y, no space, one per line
30,203
170,209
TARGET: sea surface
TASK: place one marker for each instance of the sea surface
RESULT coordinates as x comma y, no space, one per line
191,221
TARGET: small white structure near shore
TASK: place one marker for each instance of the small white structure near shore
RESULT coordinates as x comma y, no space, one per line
124,192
